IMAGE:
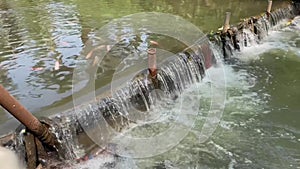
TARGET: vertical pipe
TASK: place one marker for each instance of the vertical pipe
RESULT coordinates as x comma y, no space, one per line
226,22
269,7
152,62
9,103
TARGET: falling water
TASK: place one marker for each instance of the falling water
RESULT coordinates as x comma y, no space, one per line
132,103
255,30
140,102
177,78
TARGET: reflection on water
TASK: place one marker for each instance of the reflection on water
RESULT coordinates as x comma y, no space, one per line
38,36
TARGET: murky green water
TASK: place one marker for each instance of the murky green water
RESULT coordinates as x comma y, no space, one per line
260,126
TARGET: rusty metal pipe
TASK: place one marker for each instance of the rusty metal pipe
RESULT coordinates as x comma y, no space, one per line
152,62
268,12
9,103
226,22
269,6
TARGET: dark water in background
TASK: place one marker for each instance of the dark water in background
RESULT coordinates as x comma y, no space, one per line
260,126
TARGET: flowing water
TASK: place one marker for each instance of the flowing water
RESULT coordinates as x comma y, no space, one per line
260,123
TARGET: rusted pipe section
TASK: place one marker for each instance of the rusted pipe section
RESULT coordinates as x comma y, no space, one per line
152,62
9,103
226,22
269,7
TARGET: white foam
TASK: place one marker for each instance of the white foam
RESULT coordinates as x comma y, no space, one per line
276,39
239,80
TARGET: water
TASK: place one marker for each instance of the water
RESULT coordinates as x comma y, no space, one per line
259,127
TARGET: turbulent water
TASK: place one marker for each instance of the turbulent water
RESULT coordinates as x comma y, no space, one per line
259,127
249,135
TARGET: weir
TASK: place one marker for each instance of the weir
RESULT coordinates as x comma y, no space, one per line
121,110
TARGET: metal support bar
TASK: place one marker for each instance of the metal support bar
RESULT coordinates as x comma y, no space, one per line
9,103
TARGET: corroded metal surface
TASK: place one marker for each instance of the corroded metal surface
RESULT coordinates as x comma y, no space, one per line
8,102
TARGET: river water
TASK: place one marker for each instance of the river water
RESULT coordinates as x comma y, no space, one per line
260,124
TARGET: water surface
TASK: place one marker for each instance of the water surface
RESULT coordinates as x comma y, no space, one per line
260,125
